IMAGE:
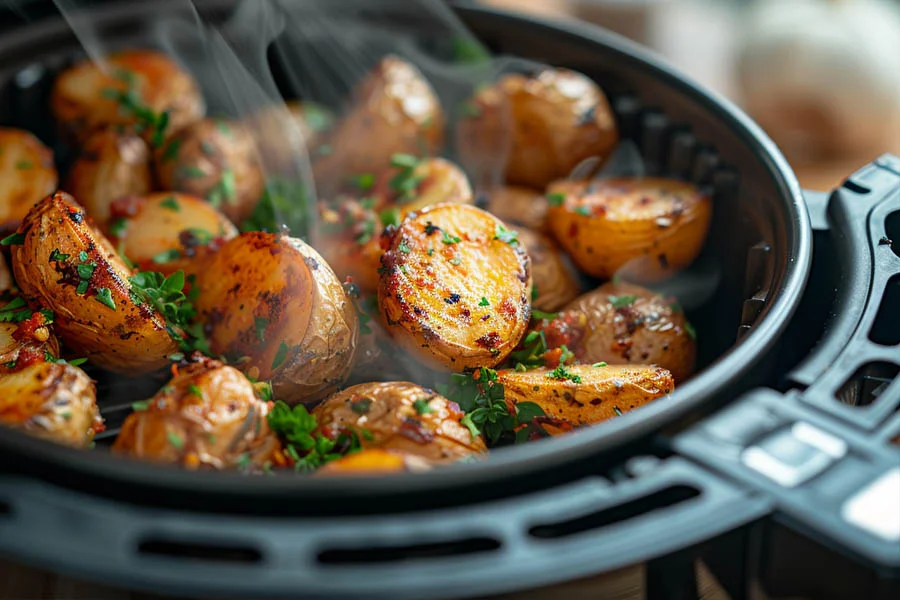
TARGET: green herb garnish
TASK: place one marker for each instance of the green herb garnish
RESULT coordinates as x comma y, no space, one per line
104,296
280,355
13,239
421,406
507,236
622,301
556,198
171,203
563,374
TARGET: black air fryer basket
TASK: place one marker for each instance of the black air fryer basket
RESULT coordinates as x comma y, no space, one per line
767,465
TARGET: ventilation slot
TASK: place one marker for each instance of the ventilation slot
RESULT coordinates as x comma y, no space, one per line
616,514
856,188
886,328
869,381
388,554
220,553
892,229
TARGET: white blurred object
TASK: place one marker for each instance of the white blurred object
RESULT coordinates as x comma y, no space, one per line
823,76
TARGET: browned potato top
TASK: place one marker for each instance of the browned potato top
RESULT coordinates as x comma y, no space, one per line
518,206
455,286
27,174
217,160
400,417
555,282
207,416
85,99
645,229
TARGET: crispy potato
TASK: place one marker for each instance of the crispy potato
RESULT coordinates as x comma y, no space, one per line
623,323
374,461
555,282
455,287
7,282
217,160
351,240
276,307
394,110
84,97
548,123
111,165
646,229
24,342
103,322
168,232
27,174
207,416
400,417
281,133
599,394
518,206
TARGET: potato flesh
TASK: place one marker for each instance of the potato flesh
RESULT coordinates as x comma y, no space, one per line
27,174
460,305
555,281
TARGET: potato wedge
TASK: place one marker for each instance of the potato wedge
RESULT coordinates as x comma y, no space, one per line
207,416
622,323
27,174
129,87
394,110
518,206
551,122
60,255
400,417
168,232
282,132
645,229
217,160
455,287
584,394
374,461
555,281
275,307
111,165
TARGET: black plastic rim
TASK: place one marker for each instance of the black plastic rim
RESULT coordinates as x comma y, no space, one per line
98,471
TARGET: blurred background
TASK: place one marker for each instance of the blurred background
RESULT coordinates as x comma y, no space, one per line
821,76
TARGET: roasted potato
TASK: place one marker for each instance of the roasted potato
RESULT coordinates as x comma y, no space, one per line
374,461
217,160
25,335
622,323
585,394
518,206
394,110
551,122
168,232
27,174
207,416
281,133
274,306
455,287
131,91
351,237
400,417
6,279
111,165
645,229
555,282
64,264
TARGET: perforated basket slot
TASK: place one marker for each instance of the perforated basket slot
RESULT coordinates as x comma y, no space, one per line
390,554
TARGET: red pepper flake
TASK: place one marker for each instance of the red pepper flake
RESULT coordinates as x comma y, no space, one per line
490,340
32,328
413,429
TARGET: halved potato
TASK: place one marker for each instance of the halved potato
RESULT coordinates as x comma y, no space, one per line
555,282
394,110
621,323
168,231
69,267
549,123
400,417
123,92
207,416
275,308
27,174
455,287
518,206
217,160
374,461
585,394
645,229
111,165
283,131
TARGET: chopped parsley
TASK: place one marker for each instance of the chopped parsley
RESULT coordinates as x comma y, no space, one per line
363,182
13,239
304,443
583,211
361,406
86,270
468,50
450,239
534,346
166,256
260,324
195,391
421,406
469,108
406,181
484,302
171,151
280,355
390,216
367,232
57,256
284,203
622,301
83,256
539,314
171,203
24,164
690,330
175,439
404,247
130,103
556,198
140,405
600,364
617,410
224,191
507,236
166,296
563,374
118,226
104,296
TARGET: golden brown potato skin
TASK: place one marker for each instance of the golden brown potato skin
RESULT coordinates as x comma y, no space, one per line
601,394
214,159
374,461
168,231
645,229
648,330
111,165
207,416
555,282
130,338
289,137
394,110
556,119
461,303
384,415
27,174
274,304
518,206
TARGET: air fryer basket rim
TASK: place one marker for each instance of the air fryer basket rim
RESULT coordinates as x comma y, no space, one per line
505,463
